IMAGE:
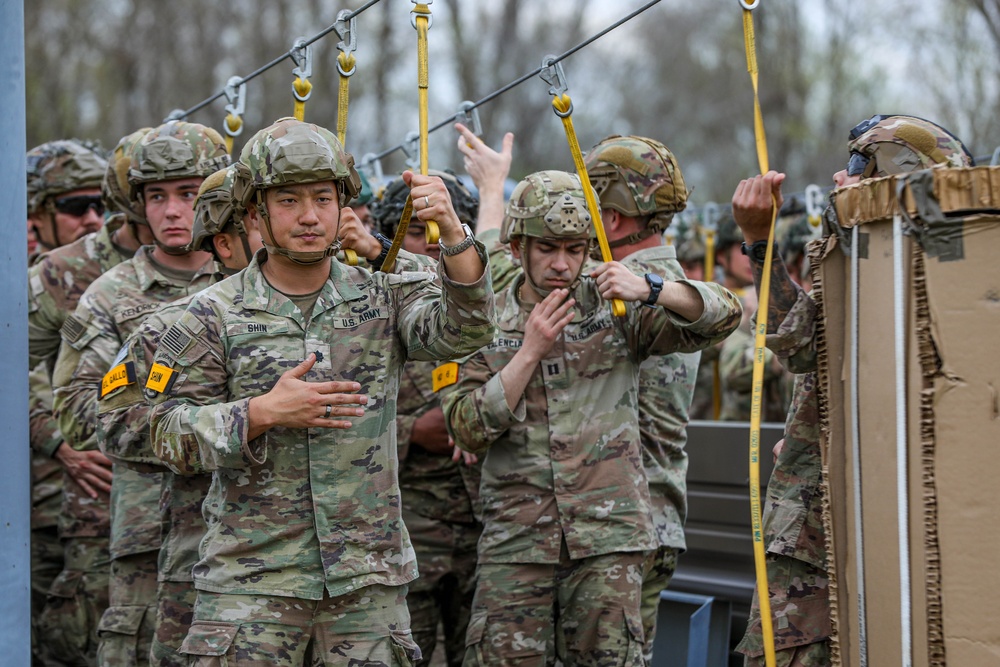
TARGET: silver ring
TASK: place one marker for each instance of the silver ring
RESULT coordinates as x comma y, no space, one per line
427,201
329,411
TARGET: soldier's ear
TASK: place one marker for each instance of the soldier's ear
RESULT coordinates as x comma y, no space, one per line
515,247
223,247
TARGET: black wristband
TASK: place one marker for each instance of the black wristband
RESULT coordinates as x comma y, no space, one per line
386,244
756,251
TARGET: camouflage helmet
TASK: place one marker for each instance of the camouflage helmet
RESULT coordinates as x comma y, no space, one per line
215,209
638,177
690,243
177,149
61,166
792,233
727,233
365,194
547,204
291,151
389,209
114,186
884,145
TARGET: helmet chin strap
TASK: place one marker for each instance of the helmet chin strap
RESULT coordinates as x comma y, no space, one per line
304,258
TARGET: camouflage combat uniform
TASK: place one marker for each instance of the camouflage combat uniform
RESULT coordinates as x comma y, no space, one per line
123,428
55,284
666,387
793,528
565,500
111,309
438,497
275,547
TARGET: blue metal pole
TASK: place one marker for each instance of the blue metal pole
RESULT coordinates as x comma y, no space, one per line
15,490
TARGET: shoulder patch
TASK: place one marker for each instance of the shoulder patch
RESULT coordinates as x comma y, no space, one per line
72,329
176,341
444,375
119,376
161,379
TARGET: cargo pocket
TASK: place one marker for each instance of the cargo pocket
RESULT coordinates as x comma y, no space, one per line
119,634
124,620
634,639
63,622
405,651
209,643
474,640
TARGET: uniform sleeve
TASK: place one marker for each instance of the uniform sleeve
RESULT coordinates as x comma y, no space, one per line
45,437
192,429
44,318
475,407
656,331
736,362
123,414
794,339
447,322
90,343
503,270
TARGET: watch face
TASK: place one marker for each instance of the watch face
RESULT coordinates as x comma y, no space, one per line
654,280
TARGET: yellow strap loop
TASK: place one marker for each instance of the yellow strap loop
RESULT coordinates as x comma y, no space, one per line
302,88
563,106
709,265
397,241
234,124
347,63
421,22
350,257
760,558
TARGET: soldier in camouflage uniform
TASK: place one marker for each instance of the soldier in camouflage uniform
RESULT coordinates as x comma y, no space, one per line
123,428
793,530
63,182
736,353
438,493
166,170
641,187
566,506
306,559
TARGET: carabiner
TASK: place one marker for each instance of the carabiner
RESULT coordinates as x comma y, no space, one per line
346,31
301,55
372,166
815,203
411,148
552,74
468,115
235,93
416,10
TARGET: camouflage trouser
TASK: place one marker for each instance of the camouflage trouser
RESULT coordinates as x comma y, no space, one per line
446,555
800,606
126,628
174,613
78,596
46,564
658,571
369,627
584,612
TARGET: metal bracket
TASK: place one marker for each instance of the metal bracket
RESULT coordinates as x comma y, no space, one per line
372,166
176,114
413,13
301,55
815,203
468,115
235,92
710,216
346,30
411,148
552,74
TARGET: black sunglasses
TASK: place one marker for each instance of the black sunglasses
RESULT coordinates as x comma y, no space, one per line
78,206
857,165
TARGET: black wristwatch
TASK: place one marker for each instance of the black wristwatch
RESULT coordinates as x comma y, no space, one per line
757,251
386,244
655,283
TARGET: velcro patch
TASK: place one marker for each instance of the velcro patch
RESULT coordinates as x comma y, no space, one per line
161,379
119,376
176,341
445,375
72,329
